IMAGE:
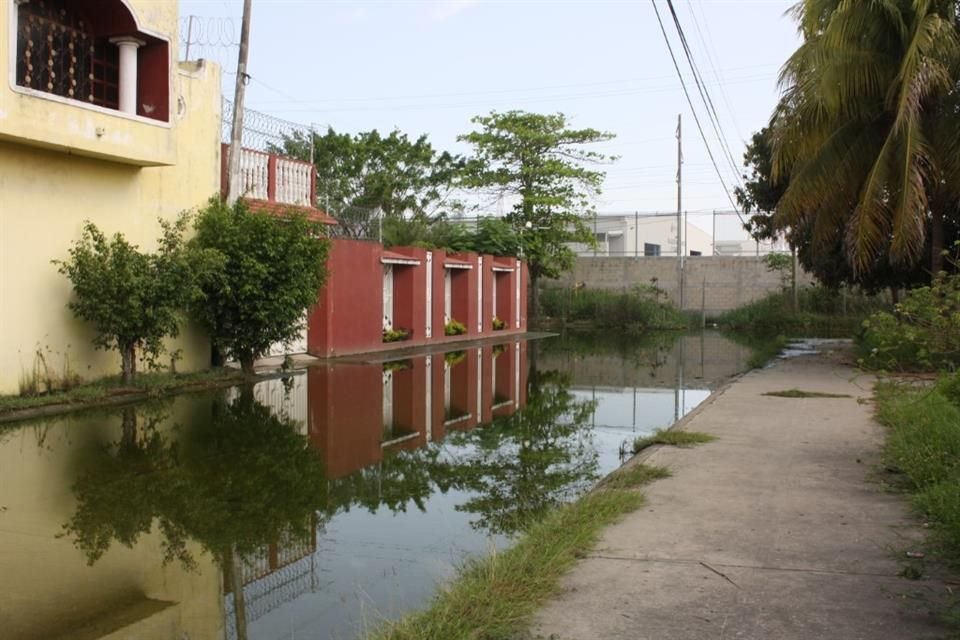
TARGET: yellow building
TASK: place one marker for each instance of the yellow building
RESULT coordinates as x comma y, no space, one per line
99,122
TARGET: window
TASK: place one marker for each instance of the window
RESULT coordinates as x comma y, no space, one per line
651,249
696,253
58,53
72,49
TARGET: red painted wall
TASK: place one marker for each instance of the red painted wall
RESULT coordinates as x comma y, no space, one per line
349,315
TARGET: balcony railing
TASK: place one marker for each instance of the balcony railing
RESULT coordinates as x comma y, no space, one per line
271,177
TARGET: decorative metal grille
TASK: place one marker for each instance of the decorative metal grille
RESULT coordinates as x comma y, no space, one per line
58,53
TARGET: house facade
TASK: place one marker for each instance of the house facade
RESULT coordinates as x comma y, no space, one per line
100,122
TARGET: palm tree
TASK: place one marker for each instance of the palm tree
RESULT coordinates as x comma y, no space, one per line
868,128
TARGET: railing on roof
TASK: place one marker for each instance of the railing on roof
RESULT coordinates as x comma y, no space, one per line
272,177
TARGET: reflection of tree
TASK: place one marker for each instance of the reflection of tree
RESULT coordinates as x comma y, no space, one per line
522,465
235,479
402,477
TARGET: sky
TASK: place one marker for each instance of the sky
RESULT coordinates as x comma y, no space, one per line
429,66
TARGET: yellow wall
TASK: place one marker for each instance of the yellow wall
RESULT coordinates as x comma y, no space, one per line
54,176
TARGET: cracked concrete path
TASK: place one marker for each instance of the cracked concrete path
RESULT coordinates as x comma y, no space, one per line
773,531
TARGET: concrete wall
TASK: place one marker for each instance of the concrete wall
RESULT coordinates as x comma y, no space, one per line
56,172
712,283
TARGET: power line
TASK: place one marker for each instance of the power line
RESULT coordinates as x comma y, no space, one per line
704,94
695,117
707,48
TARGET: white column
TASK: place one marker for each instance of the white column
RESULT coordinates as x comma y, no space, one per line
128,72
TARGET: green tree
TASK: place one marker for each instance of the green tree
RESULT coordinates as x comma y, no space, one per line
133,299
540,161
363,176
271,272
760,193
868,130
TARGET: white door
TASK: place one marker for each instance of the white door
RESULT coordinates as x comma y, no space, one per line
480,294
429,328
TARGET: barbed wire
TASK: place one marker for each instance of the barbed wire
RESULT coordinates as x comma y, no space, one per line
210,38
262,131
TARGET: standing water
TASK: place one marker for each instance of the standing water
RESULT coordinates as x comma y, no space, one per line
331,500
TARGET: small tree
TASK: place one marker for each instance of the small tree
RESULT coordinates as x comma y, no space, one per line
539,160
132,298
271,273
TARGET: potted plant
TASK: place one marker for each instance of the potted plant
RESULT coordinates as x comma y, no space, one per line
395,335
498,324
454,328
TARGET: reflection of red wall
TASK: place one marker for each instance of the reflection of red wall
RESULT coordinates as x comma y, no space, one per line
345,405
345,402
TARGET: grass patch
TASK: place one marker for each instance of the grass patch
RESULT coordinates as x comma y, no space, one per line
637,310
924,445
495,597
146,384
799,393
636,475
672,438
821,312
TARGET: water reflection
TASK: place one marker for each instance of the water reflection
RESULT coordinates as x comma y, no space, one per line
327,500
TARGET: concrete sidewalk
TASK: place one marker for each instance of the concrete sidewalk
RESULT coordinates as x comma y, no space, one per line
774,531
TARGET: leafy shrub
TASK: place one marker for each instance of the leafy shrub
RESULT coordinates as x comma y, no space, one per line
819,310
640,307
924,444
395,335
498,324
454,328
923,332
133,299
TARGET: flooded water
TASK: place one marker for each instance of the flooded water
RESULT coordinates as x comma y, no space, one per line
332,499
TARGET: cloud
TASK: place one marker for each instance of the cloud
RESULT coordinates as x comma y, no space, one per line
444,10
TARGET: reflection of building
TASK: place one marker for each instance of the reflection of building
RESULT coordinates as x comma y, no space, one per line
372,290
52,592
357,412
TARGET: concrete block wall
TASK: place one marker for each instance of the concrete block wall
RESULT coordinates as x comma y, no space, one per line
713,284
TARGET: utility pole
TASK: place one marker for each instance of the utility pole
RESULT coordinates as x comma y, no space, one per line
189,36
680,209
236,132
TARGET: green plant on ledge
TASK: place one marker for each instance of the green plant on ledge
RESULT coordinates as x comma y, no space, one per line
454,328
395,335
498,324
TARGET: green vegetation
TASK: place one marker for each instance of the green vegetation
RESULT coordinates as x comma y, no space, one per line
498,324
267,273
672,438
924,446
132,299
151,385
639,310
820,312
395,335
867,133
454,328
635,475
495,597
539,160
799,393
922,332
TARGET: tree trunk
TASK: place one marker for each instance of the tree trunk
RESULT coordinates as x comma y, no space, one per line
936,241
216,356
533,306
231,565
895,294
246,363
128,437
128,362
